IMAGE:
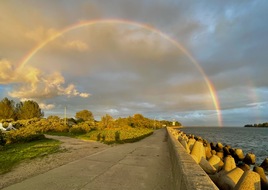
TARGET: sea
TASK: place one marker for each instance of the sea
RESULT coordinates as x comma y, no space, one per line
249,139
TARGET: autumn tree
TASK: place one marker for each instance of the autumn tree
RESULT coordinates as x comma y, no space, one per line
107,121
84,115
29,109
7,109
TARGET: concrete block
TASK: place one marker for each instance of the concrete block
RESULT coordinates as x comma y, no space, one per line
249,181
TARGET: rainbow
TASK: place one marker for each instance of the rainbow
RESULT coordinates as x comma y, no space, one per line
209,84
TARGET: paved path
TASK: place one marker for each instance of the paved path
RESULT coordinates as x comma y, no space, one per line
141,165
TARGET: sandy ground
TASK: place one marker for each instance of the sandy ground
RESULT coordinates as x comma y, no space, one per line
73,149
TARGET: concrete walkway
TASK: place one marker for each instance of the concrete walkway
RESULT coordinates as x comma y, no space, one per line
141,165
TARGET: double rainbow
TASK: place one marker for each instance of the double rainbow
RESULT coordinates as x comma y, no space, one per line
209,84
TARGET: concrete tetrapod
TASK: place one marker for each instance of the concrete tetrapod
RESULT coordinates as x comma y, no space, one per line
228,180
249,181
207,167
260,171
185,145
250,159
229,163
190,143
215,161
264,164
198,151
238,154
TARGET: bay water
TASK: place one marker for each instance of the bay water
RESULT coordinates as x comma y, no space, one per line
250,140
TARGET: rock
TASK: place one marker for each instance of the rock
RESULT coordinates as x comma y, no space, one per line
260,171
249,181
229,163
264,164
250,159
207,167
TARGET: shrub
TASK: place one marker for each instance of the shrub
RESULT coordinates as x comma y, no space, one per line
80,128
26,134
117,136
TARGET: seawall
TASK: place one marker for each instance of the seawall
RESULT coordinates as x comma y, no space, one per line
187,174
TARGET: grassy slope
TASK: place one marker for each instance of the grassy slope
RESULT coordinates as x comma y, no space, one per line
13,154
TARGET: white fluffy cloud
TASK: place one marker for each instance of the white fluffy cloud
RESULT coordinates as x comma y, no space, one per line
32,83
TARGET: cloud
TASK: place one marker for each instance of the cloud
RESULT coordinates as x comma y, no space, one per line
32,83
132,69
46,106
6,72
76,45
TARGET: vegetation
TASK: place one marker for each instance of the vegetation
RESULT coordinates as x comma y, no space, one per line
118,135
28,140
84,115
23,110
257,125
13,154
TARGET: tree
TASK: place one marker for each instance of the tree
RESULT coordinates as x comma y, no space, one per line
84,115
107,121
29,109
7,109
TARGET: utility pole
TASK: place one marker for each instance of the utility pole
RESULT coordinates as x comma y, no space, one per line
65,119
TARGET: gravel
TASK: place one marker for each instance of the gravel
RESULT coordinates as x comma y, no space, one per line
72,150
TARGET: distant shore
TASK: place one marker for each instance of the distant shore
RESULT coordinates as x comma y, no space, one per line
257,125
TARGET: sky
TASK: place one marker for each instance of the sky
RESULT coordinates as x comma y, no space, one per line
202,63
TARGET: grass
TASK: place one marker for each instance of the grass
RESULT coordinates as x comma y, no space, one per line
13,154
118,135
111,135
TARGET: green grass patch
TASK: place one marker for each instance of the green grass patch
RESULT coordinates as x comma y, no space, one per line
13,154
117,135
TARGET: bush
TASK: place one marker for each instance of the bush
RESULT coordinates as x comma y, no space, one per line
26,134
81,128
117,136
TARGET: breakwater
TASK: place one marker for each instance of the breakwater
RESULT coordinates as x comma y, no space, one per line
187,175
226,167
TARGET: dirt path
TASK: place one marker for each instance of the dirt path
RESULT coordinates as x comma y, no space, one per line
74,149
